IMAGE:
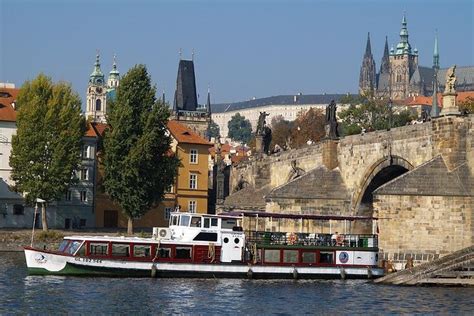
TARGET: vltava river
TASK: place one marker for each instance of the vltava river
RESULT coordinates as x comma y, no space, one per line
41,295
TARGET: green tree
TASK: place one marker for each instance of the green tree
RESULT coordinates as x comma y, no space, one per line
369,113
213,130
46,148
138,166
240,128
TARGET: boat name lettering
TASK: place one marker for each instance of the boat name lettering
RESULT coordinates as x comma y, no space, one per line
89,260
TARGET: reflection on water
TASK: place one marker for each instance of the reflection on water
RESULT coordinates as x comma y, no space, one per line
25,294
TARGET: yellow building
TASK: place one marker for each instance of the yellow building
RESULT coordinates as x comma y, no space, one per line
190,190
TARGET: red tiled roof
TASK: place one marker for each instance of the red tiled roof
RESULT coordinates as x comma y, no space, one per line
184,135
7,97
99,128
421,100
90,132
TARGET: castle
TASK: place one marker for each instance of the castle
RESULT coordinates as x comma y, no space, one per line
400,75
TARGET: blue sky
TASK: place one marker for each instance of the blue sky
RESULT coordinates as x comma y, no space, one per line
242,48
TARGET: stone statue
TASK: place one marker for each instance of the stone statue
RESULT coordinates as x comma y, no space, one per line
331,121
261,123
267,139
295,171
450,80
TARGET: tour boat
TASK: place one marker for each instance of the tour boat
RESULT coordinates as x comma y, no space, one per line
202,245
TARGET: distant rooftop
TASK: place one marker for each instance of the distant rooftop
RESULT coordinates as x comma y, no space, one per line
299,99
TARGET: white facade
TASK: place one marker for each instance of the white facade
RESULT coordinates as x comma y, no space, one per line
7,130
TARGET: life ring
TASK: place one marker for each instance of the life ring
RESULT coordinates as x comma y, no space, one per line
292,239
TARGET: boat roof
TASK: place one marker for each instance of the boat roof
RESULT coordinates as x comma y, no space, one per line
221,215
298,216
111,238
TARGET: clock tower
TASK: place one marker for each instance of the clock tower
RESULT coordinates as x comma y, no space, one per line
96,106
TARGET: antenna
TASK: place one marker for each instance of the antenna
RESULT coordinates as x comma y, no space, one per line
192,55
180,53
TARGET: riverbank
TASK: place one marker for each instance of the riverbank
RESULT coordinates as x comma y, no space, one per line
16,239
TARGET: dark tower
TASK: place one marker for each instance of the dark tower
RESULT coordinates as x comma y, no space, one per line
434,107
367,70
383,78
186,97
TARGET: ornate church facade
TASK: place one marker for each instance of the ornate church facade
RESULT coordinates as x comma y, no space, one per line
400,75
99,91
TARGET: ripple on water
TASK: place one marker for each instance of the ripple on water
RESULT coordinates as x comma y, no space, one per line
72,295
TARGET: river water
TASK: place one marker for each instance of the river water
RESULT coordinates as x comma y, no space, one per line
41,295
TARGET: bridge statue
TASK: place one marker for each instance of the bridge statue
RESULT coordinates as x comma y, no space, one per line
263,134
331,121
450,80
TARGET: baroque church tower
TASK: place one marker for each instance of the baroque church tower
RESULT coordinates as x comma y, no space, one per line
367,71
98,91
403,63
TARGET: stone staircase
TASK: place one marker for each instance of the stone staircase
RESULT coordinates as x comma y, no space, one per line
456,268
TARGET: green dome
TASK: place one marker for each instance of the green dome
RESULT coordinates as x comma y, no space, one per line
97,77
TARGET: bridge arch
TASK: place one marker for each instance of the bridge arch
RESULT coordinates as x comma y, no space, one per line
381,172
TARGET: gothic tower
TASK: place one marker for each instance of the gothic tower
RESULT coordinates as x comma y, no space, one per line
403,63
435,107
367,71
383,77
96,94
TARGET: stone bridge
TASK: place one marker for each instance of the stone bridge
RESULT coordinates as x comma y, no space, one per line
340,177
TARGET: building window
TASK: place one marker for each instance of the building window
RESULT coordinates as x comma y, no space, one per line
98,105
18,209
168,211
193,156
86,152
193,181
83,196
85,174
68,195
192,206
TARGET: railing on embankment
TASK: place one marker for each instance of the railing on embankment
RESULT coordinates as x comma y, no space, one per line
456,268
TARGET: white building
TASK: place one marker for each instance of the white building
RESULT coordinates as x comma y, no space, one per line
287,106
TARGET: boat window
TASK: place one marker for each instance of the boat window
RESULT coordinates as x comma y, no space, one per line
120,250
207,222
228,223
326,257
63,245
73,246
290,256
184,220
214,222
163,252
308,257
174,220
141,251
82,251
203,236
196,221
98,249
272,255
183,252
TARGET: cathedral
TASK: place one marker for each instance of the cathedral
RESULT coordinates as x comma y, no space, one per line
400,75
99,91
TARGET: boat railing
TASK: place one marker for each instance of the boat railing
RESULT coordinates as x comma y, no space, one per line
312,239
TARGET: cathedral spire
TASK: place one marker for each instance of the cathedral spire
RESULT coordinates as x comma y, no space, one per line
368,48
403,46
97,77
114,75
385,64
208,104
436,53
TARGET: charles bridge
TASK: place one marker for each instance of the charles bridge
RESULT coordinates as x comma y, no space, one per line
417,180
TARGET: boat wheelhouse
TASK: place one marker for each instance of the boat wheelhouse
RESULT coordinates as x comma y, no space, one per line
201,245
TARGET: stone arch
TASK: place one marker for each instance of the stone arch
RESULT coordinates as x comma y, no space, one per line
381,172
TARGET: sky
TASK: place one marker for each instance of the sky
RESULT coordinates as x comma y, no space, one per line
243,49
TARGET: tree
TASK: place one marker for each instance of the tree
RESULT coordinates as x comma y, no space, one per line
467,106
240,128
47,146
370,114
213,130
308,126
281,132
138,164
